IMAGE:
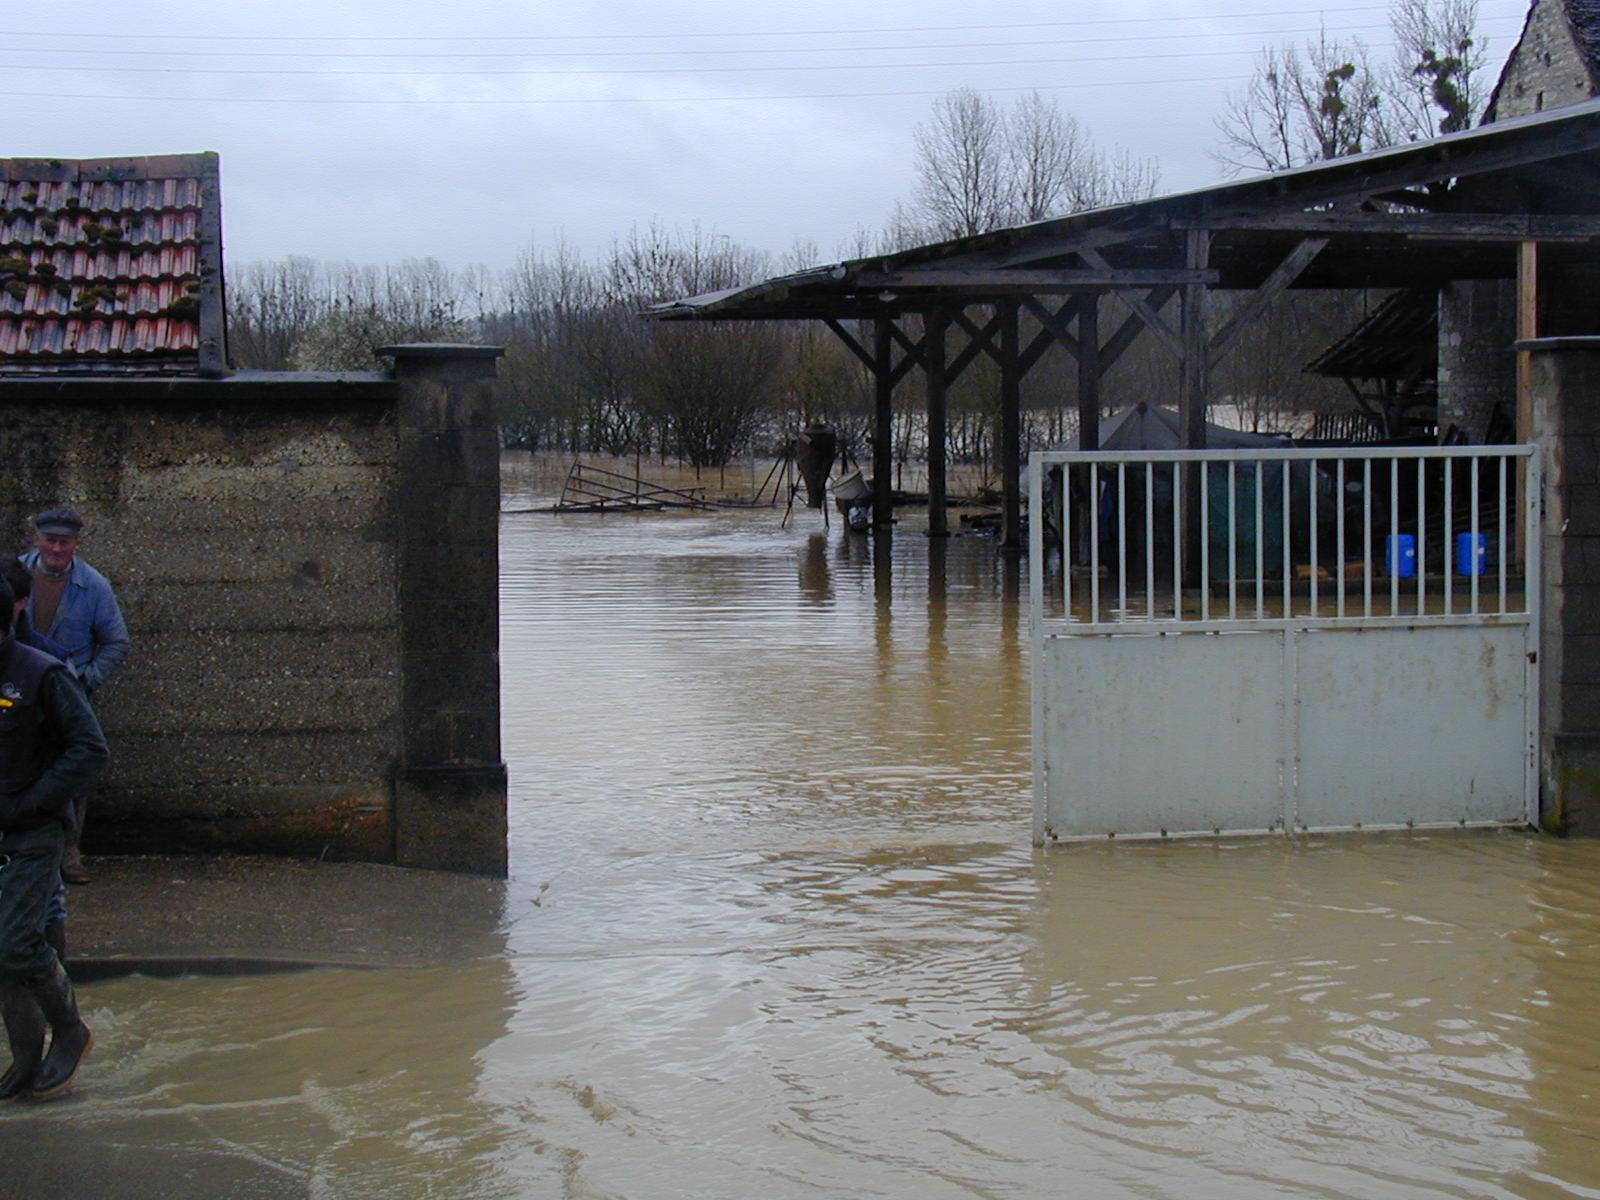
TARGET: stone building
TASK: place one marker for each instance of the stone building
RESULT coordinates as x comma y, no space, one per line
1555,62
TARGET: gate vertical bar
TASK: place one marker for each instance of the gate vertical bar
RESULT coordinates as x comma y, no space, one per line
1392,554
1122,541
1094,543
1366,538
1177,543
1233,541
1204,524
1261,566
1150,540
1449,528
1066,534
1502,522
1316,538
1472,541
1287,533
1339,557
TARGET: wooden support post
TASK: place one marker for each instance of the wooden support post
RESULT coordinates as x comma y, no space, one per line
1089,371
883,381
1010,431
1192,398
937,323
1196,347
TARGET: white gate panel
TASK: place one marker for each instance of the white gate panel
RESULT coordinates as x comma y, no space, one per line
1412,726
1274,639
1153,735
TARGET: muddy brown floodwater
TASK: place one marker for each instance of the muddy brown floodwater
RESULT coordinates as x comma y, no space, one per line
774,929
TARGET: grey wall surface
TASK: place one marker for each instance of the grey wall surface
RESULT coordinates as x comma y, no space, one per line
253,530
1566,423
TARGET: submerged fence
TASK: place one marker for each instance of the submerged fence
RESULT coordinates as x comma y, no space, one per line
1357,535
1267,640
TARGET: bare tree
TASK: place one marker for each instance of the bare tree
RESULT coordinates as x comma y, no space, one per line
1324,99
1303,104
1438,67
271,305
708,387
1051,160
417,300
964,185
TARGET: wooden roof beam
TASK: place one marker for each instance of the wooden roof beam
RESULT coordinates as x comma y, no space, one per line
1286,273
1148,315
990,281
1054,327
1472,227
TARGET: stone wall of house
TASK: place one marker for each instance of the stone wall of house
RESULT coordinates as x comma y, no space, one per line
256,532
1546,70
1477,370
1566,425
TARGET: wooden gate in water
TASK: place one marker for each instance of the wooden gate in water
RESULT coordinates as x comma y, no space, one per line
1260,641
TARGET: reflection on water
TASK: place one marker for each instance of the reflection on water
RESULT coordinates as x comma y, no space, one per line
774,929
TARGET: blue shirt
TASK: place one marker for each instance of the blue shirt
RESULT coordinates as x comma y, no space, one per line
88,633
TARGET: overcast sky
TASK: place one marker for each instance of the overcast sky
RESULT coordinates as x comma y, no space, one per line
352,129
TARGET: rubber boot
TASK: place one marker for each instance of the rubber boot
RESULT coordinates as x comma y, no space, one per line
25,1026
72,868
70,1039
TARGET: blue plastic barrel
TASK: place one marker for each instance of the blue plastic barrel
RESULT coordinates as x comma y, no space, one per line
1401,556
1468,563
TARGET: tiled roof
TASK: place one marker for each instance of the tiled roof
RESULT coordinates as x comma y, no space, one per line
111,266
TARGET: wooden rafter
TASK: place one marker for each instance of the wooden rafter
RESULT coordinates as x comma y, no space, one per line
850,342
979,341
1054,328
1148,315
1479,227
1037,281
1132,326
1286,273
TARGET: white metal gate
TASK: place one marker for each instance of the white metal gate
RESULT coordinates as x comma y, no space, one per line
1355,647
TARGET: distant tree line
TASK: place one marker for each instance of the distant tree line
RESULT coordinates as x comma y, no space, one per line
583,373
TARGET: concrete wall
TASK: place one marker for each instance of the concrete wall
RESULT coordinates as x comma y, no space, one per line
1546,69
1566,424
259,531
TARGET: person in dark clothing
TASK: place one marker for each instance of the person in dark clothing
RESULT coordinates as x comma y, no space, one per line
21,581
50,748
75,617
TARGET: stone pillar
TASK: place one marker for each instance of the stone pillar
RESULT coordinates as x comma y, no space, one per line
450,792
1477,370
1566,427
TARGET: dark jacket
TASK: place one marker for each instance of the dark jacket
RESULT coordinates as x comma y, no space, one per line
50,743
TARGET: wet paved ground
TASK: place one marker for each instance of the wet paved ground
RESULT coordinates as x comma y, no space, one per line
163,915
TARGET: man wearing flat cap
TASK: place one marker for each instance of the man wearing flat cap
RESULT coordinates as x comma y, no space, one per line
74,616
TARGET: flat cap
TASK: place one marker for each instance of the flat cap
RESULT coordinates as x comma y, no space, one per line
59,520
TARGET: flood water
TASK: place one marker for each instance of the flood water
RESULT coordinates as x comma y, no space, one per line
774,929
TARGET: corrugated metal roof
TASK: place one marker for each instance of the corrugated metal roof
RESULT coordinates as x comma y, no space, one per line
111,266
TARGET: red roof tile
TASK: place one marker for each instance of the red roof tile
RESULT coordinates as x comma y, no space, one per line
111,266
